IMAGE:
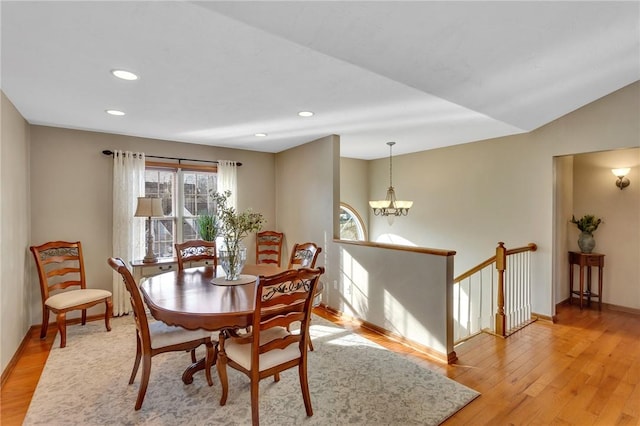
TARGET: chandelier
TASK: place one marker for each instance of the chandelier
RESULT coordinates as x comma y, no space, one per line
390,207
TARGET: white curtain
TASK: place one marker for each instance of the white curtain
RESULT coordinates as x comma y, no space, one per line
128,231
228,181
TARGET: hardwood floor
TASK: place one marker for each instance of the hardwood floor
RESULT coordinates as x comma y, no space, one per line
22,381
583,370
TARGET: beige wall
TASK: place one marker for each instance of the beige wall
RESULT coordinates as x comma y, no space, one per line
405,292
563,209
354,186
307,195
71,193
469,197
618,237
14,230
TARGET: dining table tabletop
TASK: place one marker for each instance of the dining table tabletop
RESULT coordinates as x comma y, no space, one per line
201,298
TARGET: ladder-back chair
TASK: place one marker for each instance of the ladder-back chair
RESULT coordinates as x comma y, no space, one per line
270,348
63,286
157,337
304,255
196,251
269,247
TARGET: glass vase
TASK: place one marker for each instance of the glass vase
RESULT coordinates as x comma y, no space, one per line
232,260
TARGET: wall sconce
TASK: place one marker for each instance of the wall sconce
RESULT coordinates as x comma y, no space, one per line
622,182
149,207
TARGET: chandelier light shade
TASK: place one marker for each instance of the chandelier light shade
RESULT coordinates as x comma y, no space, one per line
149,207
390,206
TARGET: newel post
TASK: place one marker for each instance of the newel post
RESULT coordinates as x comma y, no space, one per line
501,265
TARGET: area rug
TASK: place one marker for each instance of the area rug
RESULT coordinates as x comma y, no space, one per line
352,381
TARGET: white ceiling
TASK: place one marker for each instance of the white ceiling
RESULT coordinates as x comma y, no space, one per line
424,74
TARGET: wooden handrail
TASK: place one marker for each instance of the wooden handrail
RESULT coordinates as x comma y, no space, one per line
500,260
492,259
475,269
528,247
424,250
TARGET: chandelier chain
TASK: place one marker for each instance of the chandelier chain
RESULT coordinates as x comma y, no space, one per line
390,163
390,169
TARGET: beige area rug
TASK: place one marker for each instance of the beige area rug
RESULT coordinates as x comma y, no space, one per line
352,380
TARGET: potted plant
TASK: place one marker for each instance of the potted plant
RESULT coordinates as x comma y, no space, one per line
208,227
587,224
234,227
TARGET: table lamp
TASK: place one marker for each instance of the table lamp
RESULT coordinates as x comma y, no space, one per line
149,207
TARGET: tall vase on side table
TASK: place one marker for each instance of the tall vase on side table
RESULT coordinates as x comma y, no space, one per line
587,224
586,242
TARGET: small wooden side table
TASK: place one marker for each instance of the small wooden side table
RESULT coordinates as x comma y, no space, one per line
586,260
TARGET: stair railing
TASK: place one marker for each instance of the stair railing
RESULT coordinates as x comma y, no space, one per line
494,296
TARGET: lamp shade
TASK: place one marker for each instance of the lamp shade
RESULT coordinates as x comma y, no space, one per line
404,204
620,172
380,204
149,207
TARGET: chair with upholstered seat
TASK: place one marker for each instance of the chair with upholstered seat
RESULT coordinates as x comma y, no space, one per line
270,348
63,286
200,251
157,337
269,247
304,255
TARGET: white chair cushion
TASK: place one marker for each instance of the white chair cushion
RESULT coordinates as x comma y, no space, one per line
241,353
166,335
70,298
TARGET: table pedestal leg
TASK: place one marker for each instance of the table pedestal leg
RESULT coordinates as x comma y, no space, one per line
187,376
212,354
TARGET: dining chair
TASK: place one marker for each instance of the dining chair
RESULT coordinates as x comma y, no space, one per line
157,337
63,286
201,251
196,251
270,348
304,255
269,247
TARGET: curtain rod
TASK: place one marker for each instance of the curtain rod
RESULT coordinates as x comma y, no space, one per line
109,152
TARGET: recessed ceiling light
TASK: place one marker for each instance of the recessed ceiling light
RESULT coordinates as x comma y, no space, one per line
114,112
125,75
261,135
305,113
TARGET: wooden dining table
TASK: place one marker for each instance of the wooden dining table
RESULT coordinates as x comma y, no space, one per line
190,299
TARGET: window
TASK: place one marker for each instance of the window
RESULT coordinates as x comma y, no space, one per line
197,189
185,194
351,225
